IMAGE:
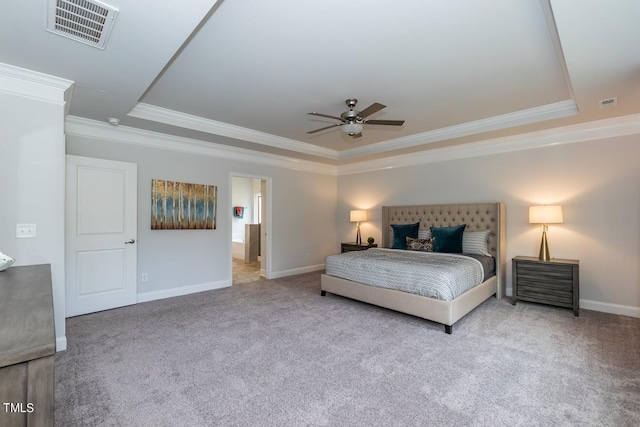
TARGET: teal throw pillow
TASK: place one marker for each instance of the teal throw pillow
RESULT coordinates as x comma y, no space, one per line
448,239
401,232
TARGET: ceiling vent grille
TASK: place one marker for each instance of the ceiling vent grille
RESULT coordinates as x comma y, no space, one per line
88,22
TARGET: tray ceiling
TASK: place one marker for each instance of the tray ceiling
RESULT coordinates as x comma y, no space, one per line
246,73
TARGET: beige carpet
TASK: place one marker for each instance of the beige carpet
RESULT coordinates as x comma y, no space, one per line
276,353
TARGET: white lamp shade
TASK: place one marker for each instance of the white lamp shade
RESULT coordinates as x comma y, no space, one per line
358,216
352,128
545,214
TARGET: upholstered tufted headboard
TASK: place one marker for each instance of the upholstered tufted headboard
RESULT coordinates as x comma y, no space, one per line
477,216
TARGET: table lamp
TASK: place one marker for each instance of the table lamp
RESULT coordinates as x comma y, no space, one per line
358,216
545,215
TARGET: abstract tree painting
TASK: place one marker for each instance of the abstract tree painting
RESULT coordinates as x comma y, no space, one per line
183,206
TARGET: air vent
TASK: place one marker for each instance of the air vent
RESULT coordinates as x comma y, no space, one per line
609,102
88,22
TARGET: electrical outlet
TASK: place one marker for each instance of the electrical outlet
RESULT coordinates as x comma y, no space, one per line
145,277
25,231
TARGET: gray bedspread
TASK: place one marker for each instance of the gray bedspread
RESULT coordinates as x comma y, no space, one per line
435,275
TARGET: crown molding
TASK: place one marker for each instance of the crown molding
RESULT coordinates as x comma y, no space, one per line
31,84
596,130
175,118
531,115
555,38
82,127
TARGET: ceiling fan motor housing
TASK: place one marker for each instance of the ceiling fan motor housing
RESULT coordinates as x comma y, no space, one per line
350,116
352,121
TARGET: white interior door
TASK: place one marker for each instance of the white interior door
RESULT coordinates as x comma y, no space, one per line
101,232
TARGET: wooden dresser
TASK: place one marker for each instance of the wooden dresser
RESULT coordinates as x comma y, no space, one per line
27,346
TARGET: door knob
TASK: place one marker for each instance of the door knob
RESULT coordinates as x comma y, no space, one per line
130,242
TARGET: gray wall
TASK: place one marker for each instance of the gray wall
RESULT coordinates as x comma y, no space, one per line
303,215
597,183
32,187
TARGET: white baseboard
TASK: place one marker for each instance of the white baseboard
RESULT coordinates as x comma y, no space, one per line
182,290
61,343
294,271
605,307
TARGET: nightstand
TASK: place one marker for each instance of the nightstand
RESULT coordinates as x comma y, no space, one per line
554,282
353,246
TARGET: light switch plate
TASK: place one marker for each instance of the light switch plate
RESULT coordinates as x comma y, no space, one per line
25,231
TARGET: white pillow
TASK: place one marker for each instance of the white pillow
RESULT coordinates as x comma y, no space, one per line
475,242
424,234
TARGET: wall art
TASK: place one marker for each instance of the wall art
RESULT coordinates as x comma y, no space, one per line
183,206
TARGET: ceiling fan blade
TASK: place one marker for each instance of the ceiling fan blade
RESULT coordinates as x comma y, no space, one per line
326,115
385,122
357,135
373,108
325,128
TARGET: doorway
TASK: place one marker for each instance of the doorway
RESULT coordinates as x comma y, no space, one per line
249,200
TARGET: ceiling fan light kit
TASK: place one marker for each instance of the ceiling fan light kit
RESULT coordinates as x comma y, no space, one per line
352,128
353,121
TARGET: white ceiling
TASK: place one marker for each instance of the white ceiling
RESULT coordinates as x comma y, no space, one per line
246,72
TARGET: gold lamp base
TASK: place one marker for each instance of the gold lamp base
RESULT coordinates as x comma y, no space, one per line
358,236
544,246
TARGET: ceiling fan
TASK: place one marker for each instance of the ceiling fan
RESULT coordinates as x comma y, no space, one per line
352,121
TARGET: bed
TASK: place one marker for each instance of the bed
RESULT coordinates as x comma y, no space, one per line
477,217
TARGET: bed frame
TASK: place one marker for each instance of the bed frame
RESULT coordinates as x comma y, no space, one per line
478,217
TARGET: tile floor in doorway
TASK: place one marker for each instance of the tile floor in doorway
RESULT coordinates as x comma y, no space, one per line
245,271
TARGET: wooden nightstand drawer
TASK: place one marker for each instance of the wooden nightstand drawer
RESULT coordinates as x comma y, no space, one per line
550,287
552,282
545,276
550,271
547,296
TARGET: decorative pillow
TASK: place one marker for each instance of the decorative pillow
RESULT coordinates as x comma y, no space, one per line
424,234
401,232
475,242
448,239
5,261
424,245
